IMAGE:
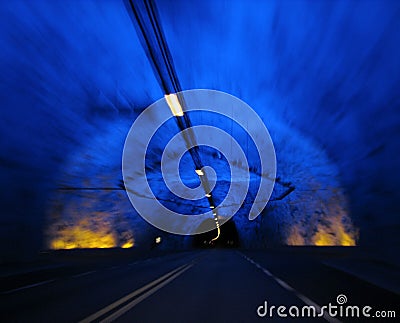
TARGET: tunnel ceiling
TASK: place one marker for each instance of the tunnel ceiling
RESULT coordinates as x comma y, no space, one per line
323,76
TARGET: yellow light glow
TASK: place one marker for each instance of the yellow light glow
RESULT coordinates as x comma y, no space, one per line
332,233
128,244
332,227
77,237
199,172
295,238
158,239
323,238
174,105
340,237
219,232
81,235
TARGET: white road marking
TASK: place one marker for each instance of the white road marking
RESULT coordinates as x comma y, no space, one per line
28,286
84,274
283,284
289,288
148,290
267,272
136,301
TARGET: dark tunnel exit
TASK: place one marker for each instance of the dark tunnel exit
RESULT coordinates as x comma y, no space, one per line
228,237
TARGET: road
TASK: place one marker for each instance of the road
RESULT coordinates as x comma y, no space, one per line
198,286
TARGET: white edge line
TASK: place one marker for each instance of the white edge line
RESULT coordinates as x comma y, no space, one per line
286,286
28,286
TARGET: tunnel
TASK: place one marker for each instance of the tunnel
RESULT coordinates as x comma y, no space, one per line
245,153
72,86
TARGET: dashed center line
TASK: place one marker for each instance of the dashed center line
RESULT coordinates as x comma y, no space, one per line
289,288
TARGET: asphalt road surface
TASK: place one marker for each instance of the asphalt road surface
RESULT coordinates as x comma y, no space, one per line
198,286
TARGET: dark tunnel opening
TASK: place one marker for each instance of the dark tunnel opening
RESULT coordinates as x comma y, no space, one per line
228,238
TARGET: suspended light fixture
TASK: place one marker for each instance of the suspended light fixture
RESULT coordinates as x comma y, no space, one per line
174,105
199,172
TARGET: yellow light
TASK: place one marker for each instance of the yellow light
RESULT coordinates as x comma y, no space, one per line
332,233
158,239
212,206
219,232
174,105
82,235
208,195
199,172
341,238
128,244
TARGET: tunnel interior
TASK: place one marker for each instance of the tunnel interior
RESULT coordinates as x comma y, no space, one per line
324,78
228,237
